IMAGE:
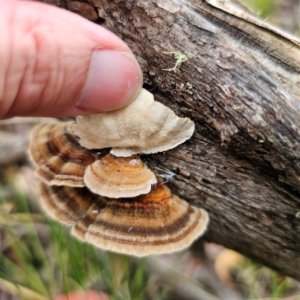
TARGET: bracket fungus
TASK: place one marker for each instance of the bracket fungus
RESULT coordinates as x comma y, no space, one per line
113,200
155,223
144,126
119,177
66,204
59,158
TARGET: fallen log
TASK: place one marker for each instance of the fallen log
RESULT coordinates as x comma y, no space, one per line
240,84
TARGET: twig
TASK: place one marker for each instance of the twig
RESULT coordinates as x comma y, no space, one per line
16,289
23,218
183,286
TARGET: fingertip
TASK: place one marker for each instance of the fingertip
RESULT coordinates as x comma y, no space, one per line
114,79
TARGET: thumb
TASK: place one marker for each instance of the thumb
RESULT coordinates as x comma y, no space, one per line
56,63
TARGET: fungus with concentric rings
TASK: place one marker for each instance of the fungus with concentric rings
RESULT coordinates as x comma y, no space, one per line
119,177
155,223
113,200
59,158
144,126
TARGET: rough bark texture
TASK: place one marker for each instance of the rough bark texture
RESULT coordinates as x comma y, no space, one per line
243,163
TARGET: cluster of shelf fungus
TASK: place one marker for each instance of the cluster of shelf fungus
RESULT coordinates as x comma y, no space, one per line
111,199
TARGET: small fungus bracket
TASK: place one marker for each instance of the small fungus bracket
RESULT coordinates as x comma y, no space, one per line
180,58
130,130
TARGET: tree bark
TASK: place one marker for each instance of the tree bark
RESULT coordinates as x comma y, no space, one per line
243,162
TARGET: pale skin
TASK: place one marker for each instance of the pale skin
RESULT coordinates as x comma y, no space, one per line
55,63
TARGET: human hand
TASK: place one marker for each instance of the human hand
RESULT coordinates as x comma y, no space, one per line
56,63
